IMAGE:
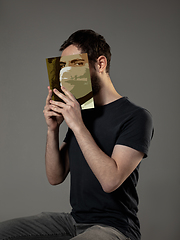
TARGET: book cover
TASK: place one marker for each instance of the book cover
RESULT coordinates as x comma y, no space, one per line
72,72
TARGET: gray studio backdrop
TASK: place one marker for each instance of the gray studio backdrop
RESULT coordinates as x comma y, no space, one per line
144,38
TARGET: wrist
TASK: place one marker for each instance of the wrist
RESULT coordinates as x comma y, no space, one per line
80,129
53,131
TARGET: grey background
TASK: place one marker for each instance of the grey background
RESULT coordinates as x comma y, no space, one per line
144,38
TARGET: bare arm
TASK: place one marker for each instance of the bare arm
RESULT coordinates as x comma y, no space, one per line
110,171
57,162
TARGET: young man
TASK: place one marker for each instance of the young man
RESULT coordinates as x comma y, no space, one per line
102,151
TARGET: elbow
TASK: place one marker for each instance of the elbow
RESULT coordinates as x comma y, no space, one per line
107,190
55,179
110,187
55,182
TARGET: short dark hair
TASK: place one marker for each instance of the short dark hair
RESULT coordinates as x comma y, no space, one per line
91,43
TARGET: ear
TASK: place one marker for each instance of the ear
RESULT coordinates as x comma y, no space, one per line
101,63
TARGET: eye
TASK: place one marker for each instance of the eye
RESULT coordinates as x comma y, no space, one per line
78,63
62,66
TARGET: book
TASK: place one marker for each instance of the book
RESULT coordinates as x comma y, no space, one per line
73,73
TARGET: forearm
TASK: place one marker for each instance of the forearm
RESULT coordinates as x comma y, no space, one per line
55,167
103,166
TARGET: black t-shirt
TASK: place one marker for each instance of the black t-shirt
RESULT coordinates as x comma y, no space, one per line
119,122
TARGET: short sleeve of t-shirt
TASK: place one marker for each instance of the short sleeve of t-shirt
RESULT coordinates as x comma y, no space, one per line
68,136
137,131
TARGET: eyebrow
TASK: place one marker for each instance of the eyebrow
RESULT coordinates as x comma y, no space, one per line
76,60
62,62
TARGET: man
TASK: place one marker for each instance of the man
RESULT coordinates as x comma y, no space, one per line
102,151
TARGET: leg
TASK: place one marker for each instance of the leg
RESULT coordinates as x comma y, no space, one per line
100,233
41,226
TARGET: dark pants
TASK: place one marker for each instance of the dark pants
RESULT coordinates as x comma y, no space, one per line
51,226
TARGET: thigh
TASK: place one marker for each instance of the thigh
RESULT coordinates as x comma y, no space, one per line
100,233
41,226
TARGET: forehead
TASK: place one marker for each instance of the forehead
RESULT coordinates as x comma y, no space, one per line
70,50
73,57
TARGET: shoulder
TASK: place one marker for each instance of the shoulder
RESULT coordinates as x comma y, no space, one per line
137,112
137,128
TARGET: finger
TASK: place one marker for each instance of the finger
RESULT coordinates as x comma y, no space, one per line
47,108
49,96
56,109
67,97
57,103
68,93
53,114
61,95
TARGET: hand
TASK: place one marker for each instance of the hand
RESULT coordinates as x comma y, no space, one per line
53,119
70,109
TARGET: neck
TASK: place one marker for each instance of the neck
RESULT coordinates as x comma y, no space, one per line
107,93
